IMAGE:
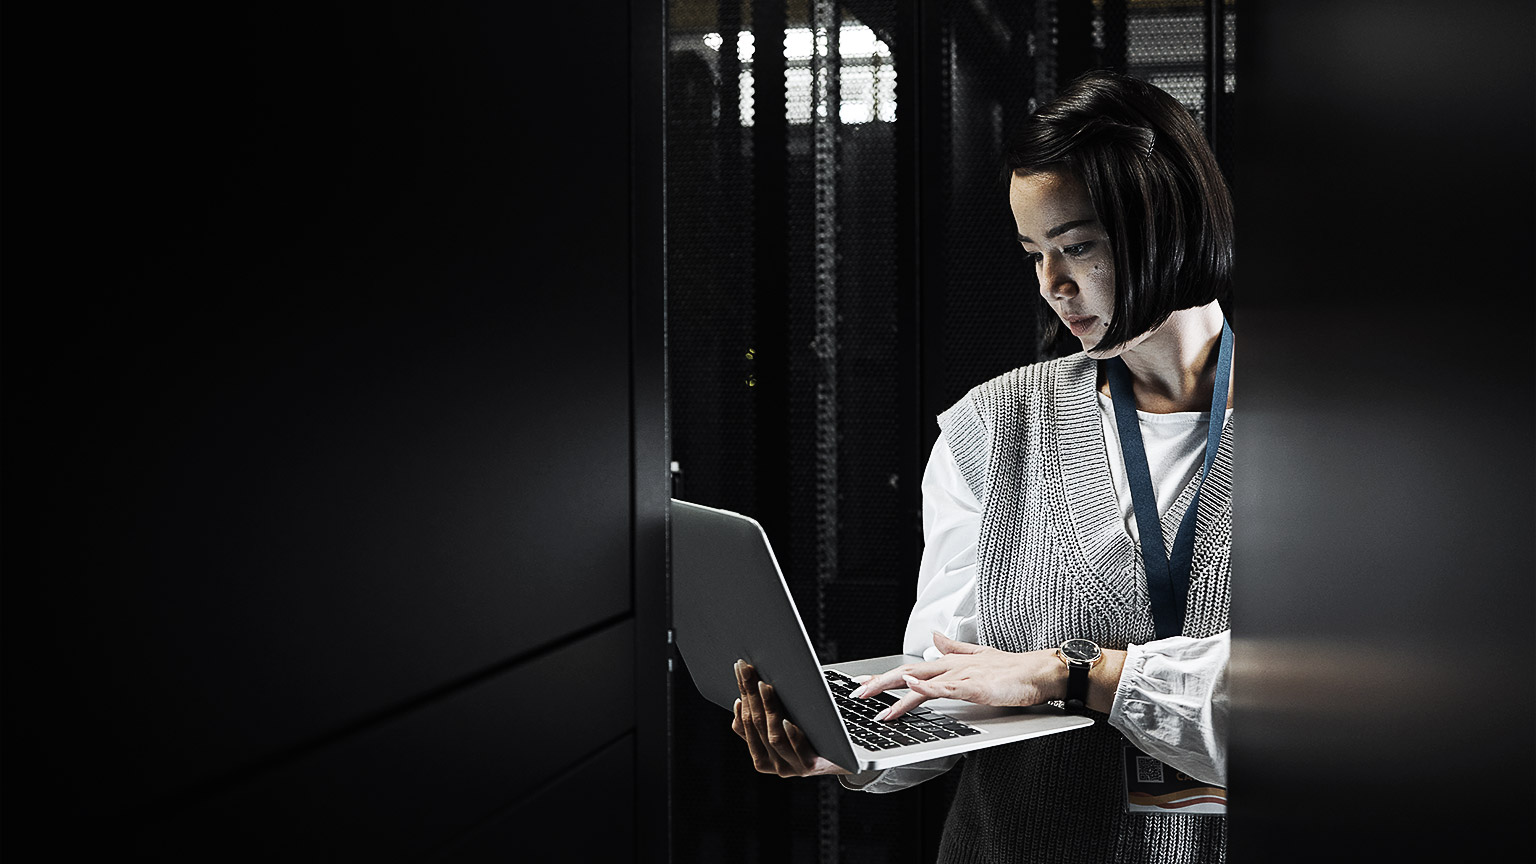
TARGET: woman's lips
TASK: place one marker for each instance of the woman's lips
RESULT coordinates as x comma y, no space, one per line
1080,324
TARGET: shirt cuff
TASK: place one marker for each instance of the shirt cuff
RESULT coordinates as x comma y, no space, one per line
857,782
895,779
1172,703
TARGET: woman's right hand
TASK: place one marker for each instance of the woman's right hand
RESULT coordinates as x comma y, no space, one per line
777,745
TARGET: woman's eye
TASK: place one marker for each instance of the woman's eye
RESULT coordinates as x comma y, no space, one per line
1078,250
1032,257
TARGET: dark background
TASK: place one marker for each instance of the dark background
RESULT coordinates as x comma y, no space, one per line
336,440
329,456
1384,590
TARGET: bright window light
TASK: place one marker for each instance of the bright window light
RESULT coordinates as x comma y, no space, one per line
867,79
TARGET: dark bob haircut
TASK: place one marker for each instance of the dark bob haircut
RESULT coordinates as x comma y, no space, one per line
1155,187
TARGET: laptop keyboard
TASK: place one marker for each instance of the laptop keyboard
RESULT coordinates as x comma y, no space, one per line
914,727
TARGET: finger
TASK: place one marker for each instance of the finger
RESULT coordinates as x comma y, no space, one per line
748,693
737,725
755,714
964,689
801,744
741,681
773,726
751,700
905,703
746,679
880,683
894,678
947,645
813,763
770,699
762,760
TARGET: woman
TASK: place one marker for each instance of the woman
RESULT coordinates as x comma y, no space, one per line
1035,584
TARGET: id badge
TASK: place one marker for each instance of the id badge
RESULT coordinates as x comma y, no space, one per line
1153,787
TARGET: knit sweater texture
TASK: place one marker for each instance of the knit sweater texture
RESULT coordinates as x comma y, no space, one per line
1054,562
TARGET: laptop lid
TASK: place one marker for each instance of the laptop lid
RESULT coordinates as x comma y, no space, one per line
729,603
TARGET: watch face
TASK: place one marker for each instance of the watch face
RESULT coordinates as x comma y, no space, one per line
1079,649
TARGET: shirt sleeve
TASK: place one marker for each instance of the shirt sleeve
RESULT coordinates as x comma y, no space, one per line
946,576
896,779
946,594
1172,703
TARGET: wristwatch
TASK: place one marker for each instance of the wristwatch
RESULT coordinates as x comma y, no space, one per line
1080,655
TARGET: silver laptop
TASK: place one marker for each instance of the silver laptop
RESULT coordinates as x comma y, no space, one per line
730,602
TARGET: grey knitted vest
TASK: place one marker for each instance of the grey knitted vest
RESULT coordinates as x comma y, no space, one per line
1053,562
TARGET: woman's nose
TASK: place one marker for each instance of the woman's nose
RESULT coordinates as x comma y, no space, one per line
1055,281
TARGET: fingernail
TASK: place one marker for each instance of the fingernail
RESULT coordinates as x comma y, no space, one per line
909,679
862,678
858,694
882,715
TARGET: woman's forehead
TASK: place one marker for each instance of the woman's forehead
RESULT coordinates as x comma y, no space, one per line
1049,197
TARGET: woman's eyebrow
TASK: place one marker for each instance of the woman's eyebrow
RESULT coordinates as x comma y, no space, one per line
1060,229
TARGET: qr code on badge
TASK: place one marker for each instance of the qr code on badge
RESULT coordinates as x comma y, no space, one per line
1148,770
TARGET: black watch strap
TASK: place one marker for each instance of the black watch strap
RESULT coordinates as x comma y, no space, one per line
1077,684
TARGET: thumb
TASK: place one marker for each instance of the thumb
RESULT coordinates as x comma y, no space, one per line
947,645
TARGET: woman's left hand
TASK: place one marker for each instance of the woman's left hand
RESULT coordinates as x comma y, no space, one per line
973,673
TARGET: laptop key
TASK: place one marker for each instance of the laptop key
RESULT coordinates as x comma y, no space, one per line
856,709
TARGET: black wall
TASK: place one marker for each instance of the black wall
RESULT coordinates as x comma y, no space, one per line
1383,602
334,441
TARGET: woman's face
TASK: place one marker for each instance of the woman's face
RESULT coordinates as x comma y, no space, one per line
1070,250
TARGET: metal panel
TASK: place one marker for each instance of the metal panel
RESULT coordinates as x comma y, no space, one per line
583,815
333,422
1382,592
407,787
651,792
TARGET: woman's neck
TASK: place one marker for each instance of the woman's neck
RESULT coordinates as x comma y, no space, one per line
1174,367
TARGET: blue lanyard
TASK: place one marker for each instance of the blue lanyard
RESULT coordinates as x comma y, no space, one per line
1167,576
